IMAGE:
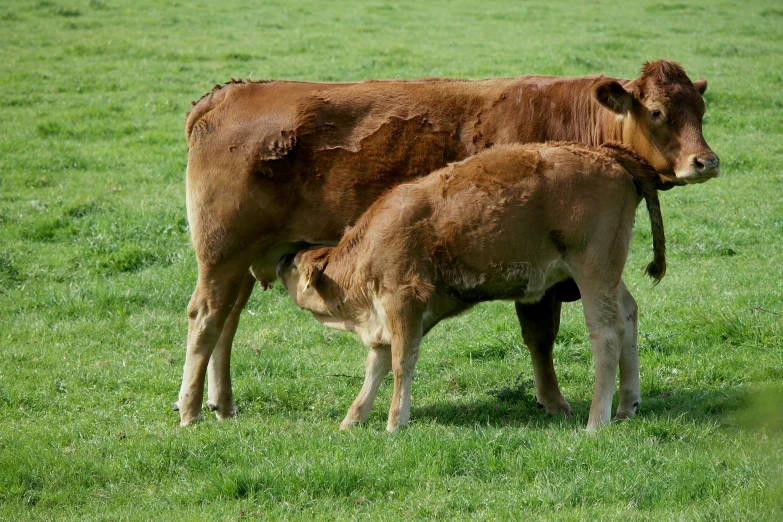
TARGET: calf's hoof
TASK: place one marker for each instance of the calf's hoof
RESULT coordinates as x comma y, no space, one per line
223,412
626,412
184,423
185,419
392,427
347,424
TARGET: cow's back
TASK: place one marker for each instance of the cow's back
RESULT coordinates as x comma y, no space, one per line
329,150
302,160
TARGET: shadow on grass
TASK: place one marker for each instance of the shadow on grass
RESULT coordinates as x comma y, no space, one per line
517,407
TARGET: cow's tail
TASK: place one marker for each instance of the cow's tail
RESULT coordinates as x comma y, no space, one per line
657,267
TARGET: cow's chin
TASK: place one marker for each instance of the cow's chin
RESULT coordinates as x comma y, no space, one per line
694,177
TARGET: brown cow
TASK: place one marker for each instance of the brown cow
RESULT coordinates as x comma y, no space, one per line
507,223
271,164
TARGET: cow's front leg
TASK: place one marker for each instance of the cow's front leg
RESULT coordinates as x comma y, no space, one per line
406,333
539,323
379,363
220,395
630,386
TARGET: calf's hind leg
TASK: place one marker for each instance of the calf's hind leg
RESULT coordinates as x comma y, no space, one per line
539,323
406,333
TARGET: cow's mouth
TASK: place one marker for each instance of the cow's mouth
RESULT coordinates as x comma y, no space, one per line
694,177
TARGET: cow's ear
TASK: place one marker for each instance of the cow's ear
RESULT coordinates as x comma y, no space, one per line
701,85
613,96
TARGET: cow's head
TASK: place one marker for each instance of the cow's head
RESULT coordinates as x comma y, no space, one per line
661,114
302,275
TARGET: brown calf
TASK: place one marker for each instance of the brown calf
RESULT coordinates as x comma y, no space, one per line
508,223
272,164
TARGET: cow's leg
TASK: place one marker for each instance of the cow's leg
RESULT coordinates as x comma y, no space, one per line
630,387
379,363
221,398
406,333
216,292
605,323
539,323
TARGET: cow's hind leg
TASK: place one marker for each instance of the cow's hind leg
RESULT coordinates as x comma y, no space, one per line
221,398
630,386
216,292
539,323
379,363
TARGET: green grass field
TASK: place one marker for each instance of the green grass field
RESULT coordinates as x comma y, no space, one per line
96,270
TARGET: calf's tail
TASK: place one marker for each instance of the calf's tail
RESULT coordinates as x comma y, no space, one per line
657,267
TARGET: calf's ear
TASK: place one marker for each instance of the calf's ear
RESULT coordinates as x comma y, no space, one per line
311,270
701,85
310,275
612,95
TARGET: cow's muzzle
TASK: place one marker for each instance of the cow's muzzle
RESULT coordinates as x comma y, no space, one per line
700,168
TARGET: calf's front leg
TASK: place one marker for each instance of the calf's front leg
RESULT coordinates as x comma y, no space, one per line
630,385
379,363
606,326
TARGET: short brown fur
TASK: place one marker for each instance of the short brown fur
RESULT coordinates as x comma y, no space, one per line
507,223
274,164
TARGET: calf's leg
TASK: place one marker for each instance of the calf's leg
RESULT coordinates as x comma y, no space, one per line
630,386
606,326
221,397
379,363
406,333
539,323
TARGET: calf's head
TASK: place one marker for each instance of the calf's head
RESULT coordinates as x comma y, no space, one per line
302,275
660,116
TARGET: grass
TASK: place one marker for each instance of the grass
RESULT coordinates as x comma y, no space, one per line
96,270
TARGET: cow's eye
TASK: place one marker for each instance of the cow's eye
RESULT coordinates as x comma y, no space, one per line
656,115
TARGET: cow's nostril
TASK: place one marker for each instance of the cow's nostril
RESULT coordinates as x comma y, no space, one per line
699,164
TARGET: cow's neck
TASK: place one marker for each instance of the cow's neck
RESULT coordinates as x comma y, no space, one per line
590,122
559,110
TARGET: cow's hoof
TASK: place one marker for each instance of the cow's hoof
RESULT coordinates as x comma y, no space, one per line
556,407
